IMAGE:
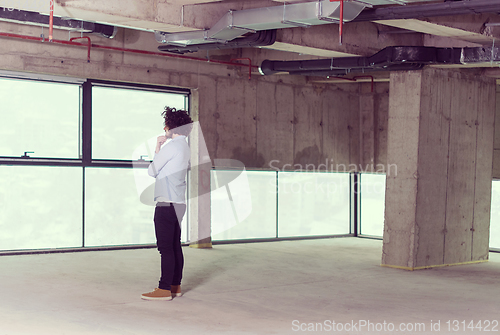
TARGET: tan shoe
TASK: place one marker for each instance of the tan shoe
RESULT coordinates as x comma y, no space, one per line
176,290
157,294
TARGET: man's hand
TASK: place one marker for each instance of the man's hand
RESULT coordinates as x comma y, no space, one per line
159,142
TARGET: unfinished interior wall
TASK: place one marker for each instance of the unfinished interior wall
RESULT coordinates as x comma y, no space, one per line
496,150
277,125
374,111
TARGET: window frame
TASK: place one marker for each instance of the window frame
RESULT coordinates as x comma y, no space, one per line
88,160
85,126
45,161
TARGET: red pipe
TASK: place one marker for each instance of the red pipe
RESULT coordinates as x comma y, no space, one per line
249,65
143,52
355,78
51,20
341,22
89,44
341,26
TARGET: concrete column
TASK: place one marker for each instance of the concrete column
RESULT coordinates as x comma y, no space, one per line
199,184
496,149
440,136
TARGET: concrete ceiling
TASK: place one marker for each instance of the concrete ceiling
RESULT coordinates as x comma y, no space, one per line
360,38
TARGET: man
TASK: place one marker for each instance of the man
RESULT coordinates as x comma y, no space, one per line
169,167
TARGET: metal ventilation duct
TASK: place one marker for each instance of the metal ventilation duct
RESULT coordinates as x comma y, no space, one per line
37,19
237,23
261,38
388,59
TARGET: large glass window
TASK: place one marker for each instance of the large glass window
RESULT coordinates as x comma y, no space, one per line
39,117
372,193
74,204
312,204
40,207
243,204
123,119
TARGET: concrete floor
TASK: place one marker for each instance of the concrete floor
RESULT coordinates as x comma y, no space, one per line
244,289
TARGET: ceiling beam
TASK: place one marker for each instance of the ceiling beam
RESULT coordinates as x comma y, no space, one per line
437,29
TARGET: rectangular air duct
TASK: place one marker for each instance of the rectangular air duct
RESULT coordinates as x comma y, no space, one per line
237,23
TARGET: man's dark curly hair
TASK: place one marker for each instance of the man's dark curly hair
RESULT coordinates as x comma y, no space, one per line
177,118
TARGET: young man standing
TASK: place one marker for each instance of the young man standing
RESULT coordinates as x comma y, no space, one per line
169,167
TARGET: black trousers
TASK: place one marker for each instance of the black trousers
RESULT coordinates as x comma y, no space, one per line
168,240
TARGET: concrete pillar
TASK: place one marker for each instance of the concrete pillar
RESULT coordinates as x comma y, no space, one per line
496,143
441,127
199,184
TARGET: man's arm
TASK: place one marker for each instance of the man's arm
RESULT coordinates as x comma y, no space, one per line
161,157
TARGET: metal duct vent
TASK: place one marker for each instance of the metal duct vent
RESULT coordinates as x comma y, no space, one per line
37,19
261,38
238,23
388,59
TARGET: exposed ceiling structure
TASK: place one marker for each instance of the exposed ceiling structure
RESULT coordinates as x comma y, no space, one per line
235,24
297,27
387,59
